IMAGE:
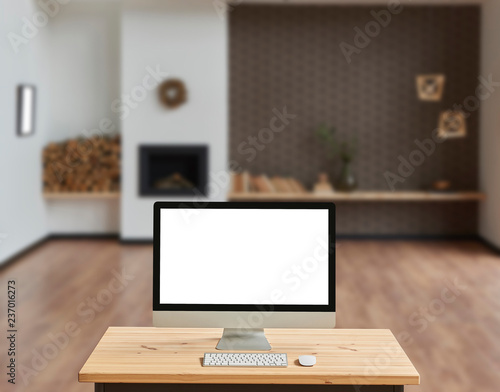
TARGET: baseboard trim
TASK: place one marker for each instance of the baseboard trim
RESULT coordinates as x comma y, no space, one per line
10,260
354,237
84,236
48,237
491,246
419,237
136,241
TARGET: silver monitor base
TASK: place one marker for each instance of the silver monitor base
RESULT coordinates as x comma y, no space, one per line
243,339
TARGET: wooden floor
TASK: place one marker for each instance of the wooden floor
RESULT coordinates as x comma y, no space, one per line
452,336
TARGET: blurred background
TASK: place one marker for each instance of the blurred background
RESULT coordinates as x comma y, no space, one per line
388,109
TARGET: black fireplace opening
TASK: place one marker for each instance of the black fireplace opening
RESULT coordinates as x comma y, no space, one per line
173,170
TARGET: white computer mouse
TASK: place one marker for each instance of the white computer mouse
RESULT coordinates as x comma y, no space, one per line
307,360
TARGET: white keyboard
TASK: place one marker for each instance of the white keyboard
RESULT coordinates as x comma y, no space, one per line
245,359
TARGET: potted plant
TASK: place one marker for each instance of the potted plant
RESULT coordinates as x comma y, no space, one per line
345,150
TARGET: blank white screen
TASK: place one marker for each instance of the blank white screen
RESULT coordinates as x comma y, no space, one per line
244,256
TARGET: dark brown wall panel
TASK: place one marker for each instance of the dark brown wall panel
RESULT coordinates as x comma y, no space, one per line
290,56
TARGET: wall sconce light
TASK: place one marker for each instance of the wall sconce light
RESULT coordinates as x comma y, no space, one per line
26,95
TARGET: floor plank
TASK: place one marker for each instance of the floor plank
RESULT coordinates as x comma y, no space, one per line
440,298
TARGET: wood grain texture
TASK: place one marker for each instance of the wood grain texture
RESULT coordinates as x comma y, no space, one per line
82,165
81,195
168,355
360,196
380,284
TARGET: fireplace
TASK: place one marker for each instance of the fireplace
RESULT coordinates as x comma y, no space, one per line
173,170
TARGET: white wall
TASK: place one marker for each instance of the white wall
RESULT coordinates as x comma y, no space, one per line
85,67
22,212
188,40
89,216
490,126
84,55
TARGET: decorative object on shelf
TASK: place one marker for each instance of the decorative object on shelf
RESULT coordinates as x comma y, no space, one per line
452,124
82,165
172,93
26,96
240,182
441,186
246,183
236,182
262,184
345,150
430,87
347,181
296,185
282,185
323,185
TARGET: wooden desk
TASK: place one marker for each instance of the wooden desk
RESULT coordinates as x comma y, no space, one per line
370,359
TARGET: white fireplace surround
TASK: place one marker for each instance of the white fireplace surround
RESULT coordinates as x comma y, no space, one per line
186,40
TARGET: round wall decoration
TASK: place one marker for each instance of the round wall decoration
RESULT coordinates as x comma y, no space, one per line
173,93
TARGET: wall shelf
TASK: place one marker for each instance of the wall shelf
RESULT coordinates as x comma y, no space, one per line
373,196
357,196
80,195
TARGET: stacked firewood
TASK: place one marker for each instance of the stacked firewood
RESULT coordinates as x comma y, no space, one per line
82,165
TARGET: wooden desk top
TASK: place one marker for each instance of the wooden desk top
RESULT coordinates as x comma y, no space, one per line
172,355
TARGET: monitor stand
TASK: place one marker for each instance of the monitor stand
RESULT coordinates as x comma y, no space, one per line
243,339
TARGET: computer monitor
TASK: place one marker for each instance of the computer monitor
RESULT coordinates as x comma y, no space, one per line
244,267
